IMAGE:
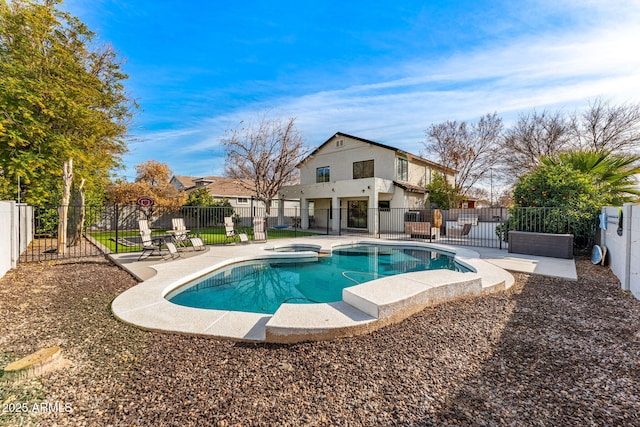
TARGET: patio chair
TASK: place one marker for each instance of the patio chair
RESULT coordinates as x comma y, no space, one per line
231,233
229,229
259,232
459,232
179,232
197,244
124,242
149,247
143,225
173,251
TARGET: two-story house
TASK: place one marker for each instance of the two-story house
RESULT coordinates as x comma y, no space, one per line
351,182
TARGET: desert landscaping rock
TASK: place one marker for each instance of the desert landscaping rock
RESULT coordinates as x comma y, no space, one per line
546,352
35,364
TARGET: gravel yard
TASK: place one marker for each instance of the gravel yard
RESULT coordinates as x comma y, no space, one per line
546,352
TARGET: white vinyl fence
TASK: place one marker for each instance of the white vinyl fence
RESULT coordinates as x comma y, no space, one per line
16,233
621,237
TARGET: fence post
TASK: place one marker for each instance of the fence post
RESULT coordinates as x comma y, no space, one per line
328,219
197,220
117,215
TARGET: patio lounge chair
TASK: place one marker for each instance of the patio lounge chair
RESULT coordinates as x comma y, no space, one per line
197,244
149,247
173,251
259,232
459,232
179,232
124,242
143,225
230,231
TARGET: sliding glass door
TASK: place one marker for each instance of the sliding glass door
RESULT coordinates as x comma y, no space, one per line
357,213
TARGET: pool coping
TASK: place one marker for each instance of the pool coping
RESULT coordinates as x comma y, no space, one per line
364,307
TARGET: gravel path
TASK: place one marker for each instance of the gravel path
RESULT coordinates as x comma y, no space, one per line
546,352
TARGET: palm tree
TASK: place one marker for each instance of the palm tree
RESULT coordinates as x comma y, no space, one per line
614,174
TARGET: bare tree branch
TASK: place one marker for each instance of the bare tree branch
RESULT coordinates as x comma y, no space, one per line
533,135
266,153
470,149
603,127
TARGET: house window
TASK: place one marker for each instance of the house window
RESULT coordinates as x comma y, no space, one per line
243,201
402,172
363,169
322,174
384,205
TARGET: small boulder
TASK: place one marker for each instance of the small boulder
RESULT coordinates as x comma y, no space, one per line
33,365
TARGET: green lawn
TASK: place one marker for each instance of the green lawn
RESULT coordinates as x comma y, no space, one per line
210,236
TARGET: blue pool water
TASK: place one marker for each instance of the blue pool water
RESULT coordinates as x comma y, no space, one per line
262,286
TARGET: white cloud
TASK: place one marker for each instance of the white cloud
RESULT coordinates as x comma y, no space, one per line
563,69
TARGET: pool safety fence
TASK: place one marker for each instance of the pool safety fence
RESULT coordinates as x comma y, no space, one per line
114,228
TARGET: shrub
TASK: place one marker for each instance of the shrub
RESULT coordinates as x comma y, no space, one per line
566,200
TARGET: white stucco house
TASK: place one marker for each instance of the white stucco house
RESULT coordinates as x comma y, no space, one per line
345,177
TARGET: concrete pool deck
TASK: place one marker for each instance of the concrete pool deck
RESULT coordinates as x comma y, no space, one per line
364,307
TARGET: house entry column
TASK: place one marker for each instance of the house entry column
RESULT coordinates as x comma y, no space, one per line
373,214
335,208
281,211
304,213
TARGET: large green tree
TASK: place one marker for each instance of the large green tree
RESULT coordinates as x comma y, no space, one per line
61,97
572,187
612,174
566,200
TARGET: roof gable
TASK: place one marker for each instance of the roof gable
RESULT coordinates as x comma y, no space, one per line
377,144
182,181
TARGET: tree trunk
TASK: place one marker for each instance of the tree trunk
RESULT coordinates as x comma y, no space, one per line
78,217
67,178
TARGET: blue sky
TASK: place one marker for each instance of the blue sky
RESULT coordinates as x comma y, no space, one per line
381,70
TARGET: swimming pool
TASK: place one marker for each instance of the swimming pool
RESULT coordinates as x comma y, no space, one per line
364,308
262,286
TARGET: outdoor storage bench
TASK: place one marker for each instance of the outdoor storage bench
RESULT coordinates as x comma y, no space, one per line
541,244
417,228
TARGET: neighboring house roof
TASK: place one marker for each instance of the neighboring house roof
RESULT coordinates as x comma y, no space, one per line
410,187
218,186
183,182
388,147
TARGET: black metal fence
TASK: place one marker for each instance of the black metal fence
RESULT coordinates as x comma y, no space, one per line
582,224
93,230
469,227
41,238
